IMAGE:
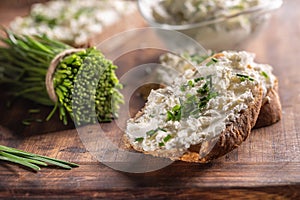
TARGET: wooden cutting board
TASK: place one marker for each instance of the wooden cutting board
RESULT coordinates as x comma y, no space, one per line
266,166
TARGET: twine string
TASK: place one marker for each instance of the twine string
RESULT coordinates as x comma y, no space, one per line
51,69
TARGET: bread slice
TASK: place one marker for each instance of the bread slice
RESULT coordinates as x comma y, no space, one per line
242,62
205,114
270,111
79,23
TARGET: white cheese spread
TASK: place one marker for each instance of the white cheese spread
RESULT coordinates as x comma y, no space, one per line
241,62
72,21
194,11
215,24
197,106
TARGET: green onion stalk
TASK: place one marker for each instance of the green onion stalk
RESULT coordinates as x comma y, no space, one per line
30,160
83,82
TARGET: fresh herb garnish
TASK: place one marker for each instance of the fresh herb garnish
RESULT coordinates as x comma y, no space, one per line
175,114
182,88
212,61
204,89
167,138
244,77
161,144
140,139
153,132
265,74
198,79
31,111
191,83
45,20
31,160
193,104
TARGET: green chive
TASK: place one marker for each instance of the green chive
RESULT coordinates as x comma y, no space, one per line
265,74
212,61
244,77
198,79
140,139
167,138
191,83
151,132
161,144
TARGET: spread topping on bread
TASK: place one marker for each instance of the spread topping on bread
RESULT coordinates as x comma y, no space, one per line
196,107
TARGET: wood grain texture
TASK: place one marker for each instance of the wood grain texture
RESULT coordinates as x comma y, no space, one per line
266,166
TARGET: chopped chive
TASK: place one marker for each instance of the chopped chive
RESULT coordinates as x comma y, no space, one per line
191,83
265,74
212,61
31,111
244,77
161,144
140,139
26,122
182,88
204,89
151,132
167,138
175,114
170,116
198,79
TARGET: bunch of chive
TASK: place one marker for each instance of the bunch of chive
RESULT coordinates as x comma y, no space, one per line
24,62
33,161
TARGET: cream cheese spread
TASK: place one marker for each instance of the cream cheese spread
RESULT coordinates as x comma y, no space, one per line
215,24
72,21
194,11
240,61
196,107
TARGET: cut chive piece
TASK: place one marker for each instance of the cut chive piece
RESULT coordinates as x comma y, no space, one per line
140,139
170,116
182,88
175,115
198,79
191,83
265,74
167,138
215,60
161,144
154,131
151,132
212,61
244,77
31,111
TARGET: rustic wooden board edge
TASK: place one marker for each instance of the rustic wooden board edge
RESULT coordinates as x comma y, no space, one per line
281,192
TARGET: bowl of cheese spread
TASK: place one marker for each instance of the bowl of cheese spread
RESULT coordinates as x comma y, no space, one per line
215,24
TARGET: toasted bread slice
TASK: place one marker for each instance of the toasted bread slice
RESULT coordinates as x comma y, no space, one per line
270,111
79,23
179,120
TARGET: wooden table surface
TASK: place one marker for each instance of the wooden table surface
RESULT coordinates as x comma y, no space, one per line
266,166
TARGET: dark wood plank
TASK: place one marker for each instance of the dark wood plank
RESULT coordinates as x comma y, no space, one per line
266,166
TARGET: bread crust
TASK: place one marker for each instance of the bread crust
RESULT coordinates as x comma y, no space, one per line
270,111
229,139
